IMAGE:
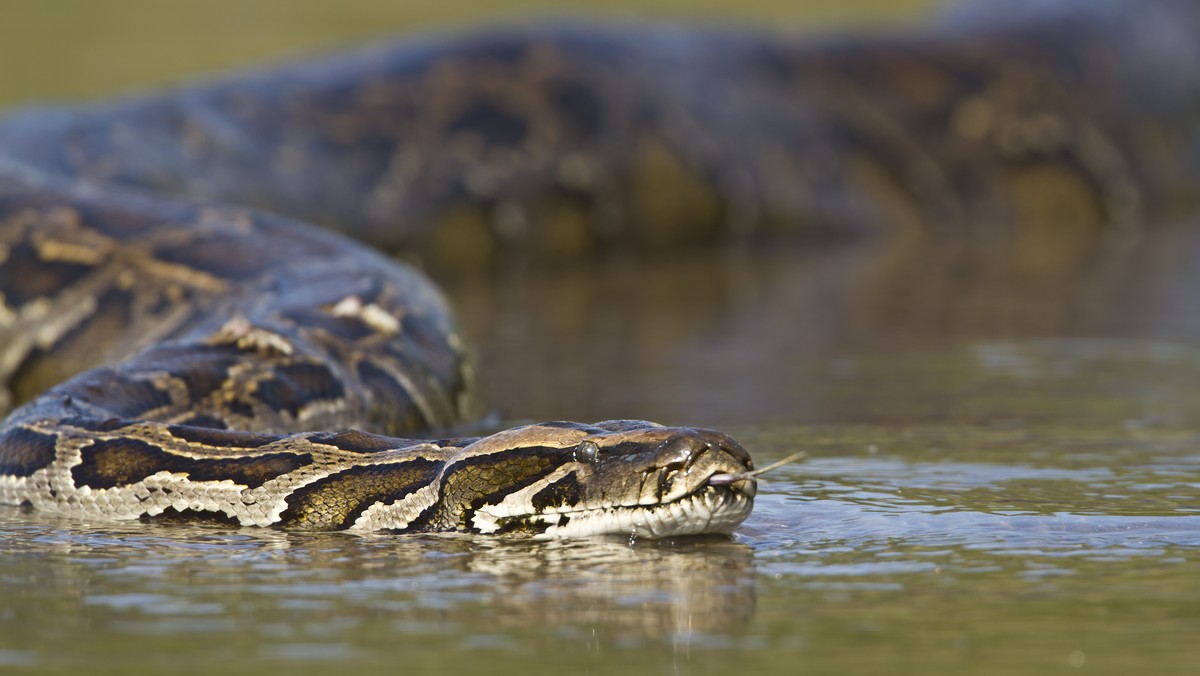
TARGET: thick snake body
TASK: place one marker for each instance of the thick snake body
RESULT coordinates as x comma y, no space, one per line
165,352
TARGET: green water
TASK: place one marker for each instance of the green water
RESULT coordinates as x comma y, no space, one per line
1001,472
967,505
891,550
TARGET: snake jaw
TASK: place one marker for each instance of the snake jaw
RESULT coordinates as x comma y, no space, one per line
712,510
743,485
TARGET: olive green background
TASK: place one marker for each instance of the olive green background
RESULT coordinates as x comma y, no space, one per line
71,49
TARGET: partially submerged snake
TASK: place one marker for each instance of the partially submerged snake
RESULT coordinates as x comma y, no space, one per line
166,352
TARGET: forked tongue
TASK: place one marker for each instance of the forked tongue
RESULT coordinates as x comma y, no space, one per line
725,478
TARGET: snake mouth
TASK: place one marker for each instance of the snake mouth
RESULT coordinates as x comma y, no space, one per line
743,483
706,510
716,504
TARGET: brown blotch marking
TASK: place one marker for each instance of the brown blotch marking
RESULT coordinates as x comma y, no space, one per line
391,404
95,424
433,347
336,501
209,436
205,420
202,368
191,516
116,219
240,408
228,256
471,483
566,492
78,349
117,462
296,385
624,448
524,525
454,442
356,441
569,425
25,276
24,451
122,396
108,463
346,328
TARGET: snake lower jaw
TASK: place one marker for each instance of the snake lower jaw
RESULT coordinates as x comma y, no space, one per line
708,510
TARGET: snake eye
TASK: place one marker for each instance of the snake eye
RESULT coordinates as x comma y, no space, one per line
587,451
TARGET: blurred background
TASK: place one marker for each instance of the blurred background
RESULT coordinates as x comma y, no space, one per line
81,49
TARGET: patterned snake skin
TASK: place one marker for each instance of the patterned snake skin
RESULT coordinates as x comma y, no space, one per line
164,352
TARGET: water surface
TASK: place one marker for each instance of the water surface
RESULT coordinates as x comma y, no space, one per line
968,504
918,550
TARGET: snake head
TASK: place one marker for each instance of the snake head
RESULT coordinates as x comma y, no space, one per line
616,477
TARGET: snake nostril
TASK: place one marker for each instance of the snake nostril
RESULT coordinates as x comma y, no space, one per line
734,449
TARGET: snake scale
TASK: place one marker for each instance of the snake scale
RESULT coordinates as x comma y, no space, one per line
173,328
